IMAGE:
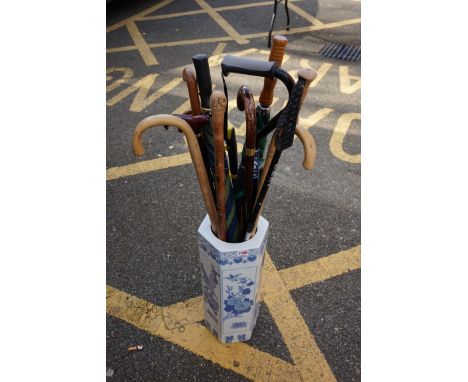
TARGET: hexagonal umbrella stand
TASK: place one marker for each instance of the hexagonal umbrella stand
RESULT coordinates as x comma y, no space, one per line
231,282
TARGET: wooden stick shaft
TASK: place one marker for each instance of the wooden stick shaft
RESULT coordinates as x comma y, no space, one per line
218,105
189,77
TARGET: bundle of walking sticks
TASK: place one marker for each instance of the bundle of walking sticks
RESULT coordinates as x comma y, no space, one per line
234,193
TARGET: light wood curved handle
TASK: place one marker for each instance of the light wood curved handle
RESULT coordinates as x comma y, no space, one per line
276,54
308,143
189,77
195,153
218,105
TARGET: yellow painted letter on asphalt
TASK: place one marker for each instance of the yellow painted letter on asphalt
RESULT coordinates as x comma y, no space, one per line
339,133
315,118
346,86
127,73
320,71
142,87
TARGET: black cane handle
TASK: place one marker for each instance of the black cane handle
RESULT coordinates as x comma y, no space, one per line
202,69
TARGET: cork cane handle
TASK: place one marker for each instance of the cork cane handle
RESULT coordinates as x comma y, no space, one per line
276,54
308,75
218,105
189,77
194,149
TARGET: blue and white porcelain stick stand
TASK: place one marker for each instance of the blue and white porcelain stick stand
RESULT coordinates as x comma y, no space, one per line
231,282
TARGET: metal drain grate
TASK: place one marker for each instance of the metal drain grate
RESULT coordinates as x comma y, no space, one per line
344,52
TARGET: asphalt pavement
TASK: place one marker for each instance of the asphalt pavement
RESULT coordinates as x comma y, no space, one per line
154,204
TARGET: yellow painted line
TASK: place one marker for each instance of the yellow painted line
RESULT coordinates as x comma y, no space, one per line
246,36
217,55
315,118
305,352
142,100
199,11
156,164
139,14
194,337
322,269
171,15
310,28
147,166
222,22
173,43
141,44
339,133
179,323
346,86
311,19
245,6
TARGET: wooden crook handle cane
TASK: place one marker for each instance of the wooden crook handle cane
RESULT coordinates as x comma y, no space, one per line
194,148
218,105
189,77
277,55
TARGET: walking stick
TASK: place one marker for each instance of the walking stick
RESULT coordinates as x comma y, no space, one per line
218,105
189,77
245,102
265,101
194,149
281,140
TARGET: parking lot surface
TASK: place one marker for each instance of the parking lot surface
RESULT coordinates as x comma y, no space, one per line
309,322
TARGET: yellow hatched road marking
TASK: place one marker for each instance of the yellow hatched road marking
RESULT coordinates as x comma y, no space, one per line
156,164
197,339
141,44
311,19
301,344
199,11
322,269
179,323
217,55
244,6
147,166
246,36
171,15
222,22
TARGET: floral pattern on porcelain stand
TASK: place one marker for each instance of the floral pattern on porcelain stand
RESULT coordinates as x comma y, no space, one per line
230,275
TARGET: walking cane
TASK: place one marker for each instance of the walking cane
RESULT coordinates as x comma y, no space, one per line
245,102
194,149
218,105
281,140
